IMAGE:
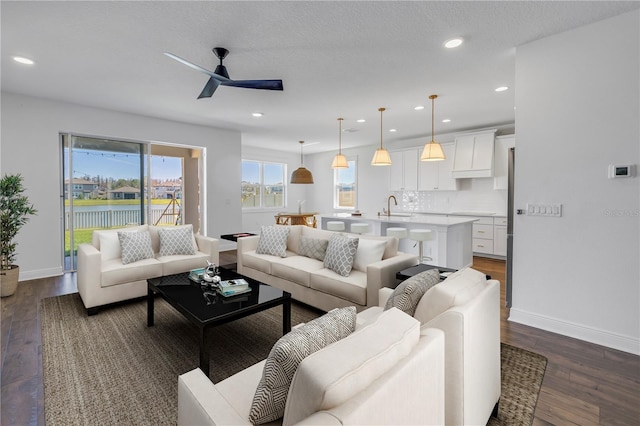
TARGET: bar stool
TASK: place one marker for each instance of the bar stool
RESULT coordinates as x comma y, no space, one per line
421,235
397,232
335,225
359,228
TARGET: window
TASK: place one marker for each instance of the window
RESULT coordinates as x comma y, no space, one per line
263,184
344,183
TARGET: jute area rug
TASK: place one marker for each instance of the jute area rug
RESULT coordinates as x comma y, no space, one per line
112,369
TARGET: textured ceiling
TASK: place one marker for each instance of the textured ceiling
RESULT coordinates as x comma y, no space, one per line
335,59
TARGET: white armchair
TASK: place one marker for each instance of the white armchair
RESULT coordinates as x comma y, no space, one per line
387,372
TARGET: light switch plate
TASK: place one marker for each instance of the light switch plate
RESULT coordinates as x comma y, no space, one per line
549,210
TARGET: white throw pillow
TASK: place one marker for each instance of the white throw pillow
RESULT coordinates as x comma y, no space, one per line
271,395
341,252
273,240
109,245
177,240
135,246
369,251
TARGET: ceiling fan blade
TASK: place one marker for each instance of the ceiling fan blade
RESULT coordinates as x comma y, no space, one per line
255,84
209,88
196,67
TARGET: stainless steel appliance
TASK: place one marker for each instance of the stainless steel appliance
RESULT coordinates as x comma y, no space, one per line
510,212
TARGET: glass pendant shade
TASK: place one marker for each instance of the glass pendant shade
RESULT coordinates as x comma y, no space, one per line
301,174
432,150
381,156
340,161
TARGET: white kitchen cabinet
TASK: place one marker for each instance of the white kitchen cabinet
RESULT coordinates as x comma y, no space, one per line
500,236
501,160
483,235
404,170
473,155
437,175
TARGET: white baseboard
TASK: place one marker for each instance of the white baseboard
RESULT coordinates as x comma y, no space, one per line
40,273
577,331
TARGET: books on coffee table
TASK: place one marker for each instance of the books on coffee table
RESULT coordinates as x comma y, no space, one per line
233,287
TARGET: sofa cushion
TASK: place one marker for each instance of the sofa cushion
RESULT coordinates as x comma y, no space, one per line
285,356
341,252
108,243
327,378
369,251
178,263
352,288
295,268
456,290
315,248
408,293
273,240
135,246
177,240
113,272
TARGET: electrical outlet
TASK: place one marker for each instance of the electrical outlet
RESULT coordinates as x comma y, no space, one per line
549,210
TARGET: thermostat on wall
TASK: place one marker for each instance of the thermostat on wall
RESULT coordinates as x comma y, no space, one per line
620,171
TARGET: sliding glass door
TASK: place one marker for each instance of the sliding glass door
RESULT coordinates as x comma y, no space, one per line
104,183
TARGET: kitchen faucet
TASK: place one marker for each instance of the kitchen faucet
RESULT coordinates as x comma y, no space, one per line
389,203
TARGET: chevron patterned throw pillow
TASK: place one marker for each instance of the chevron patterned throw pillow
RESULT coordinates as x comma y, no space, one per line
408,293
315,248
271,395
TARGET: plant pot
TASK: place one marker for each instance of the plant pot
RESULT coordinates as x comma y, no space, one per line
9,281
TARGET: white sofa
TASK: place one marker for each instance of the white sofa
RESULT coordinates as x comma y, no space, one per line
310,282
466,306
103,278
389,371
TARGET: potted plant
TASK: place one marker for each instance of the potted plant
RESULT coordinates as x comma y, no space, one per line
15,210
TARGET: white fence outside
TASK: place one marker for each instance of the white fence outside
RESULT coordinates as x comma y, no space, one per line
114,218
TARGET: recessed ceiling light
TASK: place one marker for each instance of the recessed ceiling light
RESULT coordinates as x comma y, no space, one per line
361,120
257,114
419,107
393,130
502,88
446,120
454,42
23,60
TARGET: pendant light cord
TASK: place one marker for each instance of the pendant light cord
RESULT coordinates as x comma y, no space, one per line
381,110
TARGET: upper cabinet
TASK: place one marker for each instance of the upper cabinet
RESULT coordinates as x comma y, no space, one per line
404,170
437,175
501,161
473,156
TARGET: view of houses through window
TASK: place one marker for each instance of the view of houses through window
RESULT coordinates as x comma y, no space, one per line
106,183
344,182
263,184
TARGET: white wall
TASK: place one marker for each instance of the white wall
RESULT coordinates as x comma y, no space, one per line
577,98
30,145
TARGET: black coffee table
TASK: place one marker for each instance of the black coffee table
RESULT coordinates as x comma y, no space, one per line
206,309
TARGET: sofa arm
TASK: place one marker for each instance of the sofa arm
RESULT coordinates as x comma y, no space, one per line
210,246
88,275
245,244
200,403
383,295
383,274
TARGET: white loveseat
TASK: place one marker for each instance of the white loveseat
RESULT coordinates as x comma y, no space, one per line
466,306
310,282
103,278
388,371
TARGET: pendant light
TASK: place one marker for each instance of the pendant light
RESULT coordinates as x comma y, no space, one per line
381,156
301,174
340,161
432,150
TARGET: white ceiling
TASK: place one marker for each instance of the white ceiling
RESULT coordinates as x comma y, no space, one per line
335,59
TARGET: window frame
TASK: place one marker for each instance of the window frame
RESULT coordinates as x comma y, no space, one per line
262,187
336,187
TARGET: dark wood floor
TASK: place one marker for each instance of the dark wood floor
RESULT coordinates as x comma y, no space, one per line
585,384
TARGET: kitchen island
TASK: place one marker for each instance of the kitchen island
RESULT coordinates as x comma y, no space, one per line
450,247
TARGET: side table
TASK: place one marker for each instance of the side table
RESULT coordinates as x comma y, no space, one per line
415,270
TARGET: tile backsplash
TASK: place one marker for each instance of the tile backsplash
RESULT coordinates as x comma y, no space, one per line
474,195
